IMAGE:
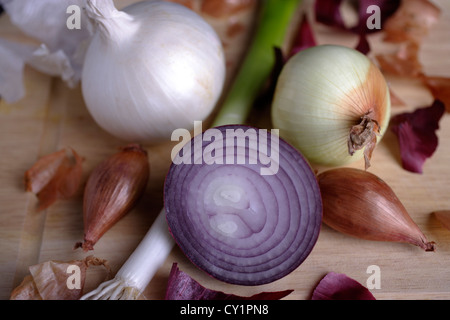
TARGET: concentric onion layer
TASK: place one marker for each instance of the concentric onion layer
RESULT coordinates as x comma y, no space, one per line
238,225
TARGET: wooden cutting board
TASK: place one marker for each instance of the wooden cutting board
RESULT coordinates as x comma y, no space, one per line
51,116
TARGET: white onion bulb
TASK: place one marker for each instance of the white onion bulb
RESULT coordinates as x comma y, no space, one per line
152,68
331,101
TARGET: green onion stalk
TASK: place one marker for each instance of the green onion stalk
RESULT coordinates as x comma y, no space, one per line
136,273
259,62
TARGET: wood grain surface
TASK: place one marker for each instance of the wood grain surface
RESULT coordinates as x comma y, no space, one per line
52,116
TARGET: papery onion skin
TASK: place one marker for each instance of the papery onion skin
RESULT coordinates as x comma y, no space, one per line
321,94
43,170
182,287
55,176
339,286
360,204
49,280
155,67
239,226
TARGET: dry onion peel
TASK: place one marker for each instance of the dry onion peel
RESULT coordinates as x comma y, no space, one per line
42,171
408,27
359,203
411,22
416,133
112,190
48,280
55,176
329,13
439,88
182,287
338,286
333,104
41,44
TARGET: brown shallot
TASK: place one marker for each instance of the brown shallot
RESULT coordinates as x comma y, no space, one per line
359,203
112,190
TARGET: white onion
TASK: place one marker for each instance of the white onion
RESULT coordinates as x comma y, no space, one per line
152,68
321,94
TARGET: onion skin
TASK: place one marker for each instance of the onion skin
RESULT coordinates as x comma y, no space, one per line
55,176
359,203
339,286
333,104
43,170
181,286
48,280
112,190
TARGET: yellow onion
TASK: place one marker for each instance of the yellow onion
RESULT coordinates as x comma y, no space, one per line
332,103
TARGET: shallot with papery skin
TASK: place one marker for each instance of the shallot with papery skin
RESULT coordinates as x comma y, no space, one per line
360,204
112,190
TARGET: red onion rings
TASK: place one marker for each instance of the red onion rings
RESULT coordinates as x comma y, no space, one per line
235,223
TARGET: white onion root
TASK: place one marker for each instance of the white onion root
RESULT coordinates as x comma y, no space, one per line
114,289
137,272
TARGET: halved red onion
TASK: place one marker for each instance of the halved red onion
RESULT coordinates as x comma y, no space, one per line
248,214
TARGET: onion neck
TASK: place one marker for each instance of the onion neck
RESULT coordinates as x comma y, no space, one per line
114,25
364,135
